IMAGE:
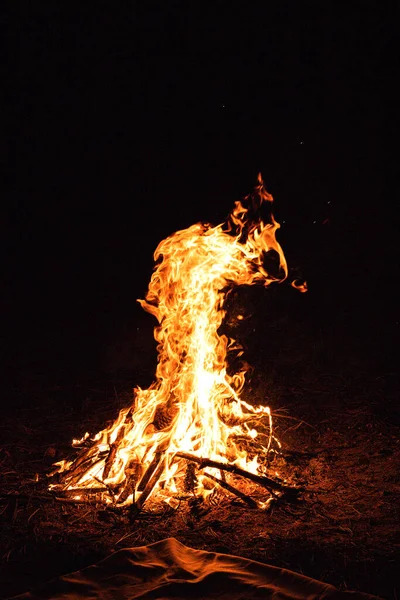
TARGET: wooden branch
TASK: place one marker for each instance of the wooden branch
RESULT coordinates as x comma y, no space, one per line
82,458
149,472
266,482
108,487
233,490
158,454
150,484
132,471
113,451
74,501
127,490
74,477
86,491
115,445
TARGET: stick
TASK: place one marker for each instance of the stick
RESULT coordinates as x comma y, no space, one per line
86,491
113,451
108,487
73,501
149,472
132,471
73,478
158,454
233,490
266,482
85,456
115,445
128,489
150,484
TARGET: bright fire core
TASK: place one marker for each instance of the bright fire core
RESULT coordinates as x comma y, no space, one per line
194,406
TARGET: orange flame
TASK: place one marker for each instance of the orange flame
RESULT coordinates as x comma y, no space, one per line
194,405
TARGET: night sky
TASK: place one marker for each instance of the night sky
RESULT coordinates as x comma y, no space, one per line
128,121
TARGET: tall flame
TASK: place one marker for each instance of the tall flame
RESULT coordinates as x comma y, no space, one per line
194,405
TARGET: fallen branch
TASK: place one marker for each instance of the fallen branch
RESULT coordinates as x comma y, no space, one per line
266,482
252,503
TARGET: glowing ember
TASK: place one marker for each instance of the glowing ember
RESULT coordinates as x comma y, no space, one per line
191,426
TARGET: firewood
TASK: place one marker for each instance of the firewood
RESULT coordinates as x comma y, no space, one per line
80,501
115,445
112,452
262,480
149,472
128,489
230,488
83,459
85,491
152,481
132,470
77,474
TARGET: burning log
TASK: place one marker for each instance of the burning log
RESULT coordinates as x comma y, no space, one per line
194,407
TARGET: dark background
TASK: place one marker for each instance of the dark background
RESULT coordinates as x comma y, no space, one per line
126,122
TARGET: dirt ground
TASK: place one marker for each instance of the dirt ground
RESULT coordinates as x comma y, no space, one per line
334,400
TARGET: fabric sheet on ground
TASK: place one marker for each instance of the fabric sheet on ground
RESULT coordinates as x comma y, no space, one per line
170,570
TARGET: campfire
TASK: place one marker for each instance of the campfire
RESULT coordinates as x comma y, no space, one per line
191,433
